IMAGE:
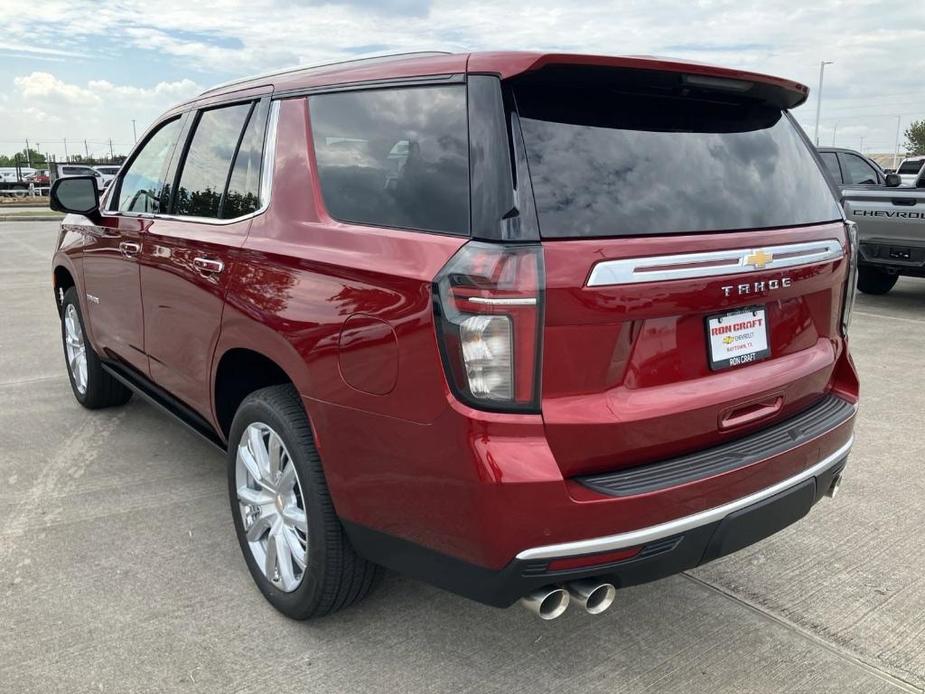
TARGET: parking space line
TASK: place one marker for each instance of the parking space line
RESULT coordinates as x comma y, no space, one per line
23,381
845,655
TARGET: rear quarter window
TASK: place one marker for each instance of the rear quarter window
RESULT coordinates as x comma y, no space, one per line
394,157
612,163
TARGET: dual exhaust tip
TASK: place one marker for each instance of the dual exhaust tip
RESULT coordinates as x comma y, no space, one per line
551,602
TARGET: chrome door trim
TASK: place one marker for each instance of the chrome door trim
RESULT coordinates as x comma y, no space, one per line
681,266
679,525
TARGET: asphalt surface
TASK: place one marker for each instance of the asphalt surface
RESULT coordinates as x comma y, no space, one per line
120,572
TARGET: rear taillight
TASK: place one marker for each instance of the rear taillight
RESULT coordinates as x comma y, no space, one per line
488,305
852,280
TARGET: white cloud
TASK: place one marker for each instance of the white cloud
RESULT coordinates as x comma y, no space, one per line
875,45
47,110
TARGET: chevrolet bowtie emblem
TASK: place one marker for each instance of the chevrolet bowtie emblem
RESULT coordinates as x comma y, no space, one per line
758,259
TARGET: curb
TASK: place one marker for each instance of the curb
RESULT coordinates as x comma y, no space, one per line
29,218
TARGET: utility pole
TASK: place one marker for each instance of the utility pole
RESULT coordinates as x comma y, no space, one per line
822,65
834,133
896,148
111,155
861,149
134,134
28,154
65,151
87,151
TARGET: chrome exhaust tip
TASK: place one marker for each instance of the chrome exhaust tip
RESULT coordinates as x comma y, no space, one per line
834,487
594,596
547,603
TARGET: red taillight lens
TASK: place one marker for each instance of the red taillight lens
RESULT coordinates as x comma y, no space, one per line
488,303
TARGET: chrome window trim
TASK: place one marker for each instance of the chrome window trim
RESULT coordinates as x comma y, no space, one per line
679,525
265,185
710,263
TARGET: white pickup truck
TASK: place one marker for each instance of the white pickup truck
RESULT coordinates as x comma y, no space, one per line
910,170
891,231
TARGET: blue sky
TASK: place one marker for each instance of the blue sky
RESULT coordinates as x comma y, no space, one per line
83,70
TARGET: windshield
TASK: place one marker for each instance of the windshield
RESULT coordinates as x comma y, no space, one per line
610,163
911,167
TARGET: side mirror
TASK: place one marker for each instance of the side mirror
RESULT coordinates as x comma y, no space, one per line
77,195
893,180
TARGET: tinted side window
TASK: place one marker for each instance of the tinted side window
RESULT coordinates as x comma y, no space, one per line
858,171
395,157
831,163
208,161
143,181
243,195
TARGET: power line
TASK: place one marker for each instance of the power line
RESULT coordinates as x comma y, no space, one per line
918,102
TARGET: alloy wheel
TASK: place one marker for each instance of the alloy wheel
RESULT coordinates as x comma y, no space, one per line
272,506
75,348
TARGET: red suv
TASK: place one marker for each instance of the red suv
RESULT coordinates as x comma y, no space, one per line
523,325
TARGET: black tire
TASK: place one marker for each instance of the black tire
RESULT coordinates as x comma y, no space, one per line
102,389
872,280
335,576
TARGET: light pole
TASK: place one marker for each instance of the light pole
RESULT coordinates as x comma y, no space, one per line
822,65
899,120
134,134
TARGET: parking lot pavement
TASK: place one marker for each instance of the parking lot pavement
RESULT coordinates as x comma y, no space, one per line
119,569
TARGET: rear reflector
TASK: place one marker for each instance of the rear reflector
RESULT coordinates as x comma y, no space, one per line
593,559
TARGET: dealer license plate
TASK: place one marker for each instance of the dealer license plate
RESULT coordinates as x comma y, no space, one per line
739,337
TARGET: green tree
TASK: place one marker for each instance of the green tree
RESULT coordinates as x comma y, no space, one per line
915,138
37,159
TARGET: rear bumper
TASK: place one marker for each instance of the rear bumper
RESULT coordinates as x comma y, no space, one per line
476,502
906,256
664,549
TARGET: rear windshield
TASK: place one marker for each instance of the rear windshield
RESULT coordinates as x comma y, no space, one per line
609,163
910,167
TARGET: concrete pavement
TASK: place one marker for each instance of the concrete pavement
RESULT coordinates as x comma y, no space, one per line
119,569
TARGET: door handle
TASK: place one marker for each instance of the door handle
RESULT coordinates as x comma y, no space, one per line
129,248
208,265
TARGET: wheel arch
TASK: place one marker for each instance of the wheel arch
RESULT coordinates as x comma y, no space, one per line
63,278
247,359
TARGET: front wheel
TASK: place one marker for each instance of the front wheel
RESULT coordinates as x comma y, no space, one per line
295,547
92,385
872,280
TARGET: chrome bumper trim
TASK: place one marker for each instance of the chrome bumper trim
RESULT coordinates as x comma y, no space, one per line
679,525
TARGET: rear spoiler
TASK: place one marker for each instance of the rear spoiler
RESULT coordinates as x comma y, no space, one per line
784,94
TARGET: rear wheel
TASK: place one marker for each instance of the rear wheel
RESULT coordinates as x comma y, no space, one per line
93,386
293,543
872,280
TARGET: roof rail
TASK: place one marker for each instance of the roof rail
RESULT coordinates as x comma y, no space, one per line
379,57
